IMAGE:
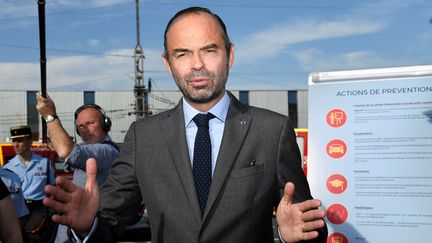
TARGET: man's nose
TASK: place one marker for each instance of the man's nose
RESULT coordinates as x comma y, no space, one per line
197,61
83,129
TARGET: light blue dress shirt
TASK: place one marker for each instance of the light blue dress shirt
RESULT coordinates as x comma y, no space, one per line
34,176
13,183
216,126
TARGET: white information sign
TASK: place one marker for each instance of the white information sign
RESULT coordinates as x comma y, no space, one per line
370,153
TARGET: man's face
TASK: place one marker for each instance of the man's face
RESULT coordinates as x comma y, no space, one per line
22,145
198,59
89,126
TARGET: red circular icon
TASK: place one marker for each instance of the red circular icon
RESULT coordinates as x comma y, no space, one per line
337,238
336,148
336,118
336,183
337,214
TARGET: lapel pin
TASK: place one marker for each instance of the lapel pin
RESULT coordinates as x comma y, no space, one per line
242,122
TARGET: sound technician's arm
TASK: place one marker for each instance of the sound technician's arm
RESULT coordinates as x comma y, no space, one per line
103,152
60,139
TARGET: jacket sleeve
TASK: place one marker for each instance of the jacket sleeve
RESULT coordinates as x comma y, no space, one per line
120,195
290,169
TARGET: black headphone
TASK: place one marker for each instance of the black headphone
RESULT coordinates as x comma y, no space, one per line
105,120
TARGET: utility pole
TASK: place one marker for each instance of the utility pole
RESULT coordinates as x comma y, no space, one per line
141,93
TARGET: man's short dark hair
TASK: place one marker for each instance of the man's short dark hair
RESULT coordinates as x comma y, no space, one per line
197,10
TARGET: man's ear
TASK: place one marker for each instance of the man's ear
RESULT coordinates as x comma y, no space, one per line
166,62
231,55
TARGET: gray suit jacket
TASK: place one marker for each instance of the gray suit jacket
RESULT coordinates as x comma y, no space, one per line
258,155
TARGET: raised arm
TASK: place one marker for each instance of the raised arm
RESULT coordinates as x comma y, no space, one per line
60,139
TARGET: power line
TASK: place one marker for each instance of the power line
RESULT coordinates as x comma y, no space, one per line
259,6
66,12
88,82
269,6
66,51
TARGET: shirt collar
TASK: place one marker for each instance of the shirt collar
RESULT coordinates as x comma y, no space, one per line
106,138
35,158
220,110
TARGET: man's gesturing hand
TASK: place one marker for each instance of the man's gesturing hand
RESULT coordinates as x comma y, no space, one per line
75,206
298,221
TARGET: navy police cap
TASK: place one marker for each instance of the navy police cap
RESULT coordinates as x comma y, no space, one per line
20,132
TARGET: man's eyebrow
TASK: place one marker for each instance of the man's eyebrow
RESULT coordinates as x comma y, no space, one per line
176,50
209,46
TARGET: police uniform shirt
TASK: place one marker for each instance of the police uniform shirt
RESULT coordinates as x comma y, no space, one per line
13,184
34,177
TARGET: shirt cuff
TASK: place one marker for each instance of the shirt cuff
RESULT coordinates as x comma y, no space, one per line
93,228
280,237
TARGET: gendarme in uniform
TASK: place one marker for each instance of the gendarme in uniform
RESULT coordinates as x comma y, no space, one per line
34,171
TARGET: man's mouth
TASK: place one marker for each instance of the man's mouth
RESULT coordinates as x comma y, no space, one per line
199,82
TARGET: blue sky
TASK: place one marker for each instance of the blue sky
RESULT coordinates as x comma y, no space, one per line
90,43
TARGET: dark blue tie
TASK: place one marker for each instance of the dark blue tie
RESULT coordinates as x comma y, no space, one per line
202,163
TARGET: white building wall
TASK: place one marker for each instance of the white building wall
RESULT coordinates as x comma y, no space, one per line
66,103
302,108
236,93
160,101
273,100
13,111
118,106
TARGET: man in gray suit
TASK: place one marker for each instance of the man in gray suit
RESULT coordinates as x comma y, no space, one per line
255,161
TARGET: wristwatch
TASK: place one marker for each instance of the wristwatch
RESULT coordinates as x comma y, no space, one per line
51,118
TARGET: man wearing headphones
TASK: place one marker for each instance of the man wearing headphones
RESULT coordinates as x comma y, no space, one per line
92,125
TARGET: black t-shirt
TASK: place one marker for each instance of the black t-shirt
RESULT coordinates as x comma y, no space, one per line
4,192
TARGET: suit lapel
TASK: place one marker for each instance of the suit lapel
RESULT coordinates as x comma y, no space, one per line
175,139
236,127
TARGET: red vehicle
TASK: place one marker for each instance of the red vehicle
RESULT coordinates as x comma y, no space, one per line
302,141
7,152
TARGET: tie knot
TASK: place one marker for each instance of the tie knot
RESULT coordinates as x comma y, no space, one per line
201,120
